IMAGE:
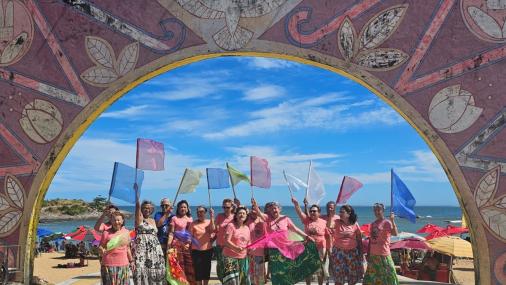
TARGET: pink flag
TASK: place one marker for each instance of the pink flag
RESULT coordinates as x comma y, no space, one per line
260,172
150,155
348,187
279,240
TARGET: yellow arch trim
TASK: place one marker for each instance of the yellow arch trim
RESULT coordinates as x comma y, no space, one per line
32,227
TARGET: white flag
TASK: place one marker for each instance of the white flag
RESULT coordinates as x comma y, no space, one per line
190,181
294,183
315,187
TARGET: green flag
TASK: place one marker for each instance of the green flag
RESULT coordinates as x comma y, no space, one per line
236,176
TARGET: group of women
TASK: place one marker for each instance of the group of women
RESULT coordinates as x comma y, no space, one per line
186,256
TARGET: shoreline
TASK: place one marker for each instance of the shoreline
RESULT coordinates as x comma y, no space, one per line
46,218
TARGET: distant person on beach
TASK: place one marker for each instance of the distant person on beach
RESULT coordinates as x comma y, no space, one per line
256,256
222,221
162,220
235,258
380,266
346,255
116,259
148,255
203,231
315,227
178,239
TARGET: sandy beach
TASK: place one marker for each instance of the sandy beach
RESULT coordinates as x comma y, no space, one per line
46,269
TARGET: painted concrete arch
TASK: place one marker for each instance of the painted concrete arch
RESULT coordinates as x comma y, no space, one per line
438,63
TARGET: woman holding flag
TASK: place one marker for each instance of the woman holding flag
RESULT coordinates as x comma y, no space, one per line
346,255
148,254
315,227
380,266
235,258
115,251
179,241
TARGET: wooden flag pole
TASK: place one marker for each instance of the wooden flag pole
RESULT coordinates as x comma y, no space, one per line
251,176
289,188
308,176
209,195
340,190
231,182
179,188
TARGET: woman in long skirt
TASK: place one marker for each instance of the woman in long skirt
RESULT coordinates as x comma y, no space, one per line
202,229
235,258
380,266
256,256
346,254
178,239
148,253
116,253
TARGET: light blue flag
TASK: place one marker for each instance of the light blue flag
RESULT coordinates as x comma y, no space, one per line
122,183
217,178
403,202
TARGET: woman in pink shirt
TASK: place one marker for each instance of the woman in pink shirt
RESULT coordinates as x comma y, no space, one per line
256,256
202,230
346,255
380,266
235,258
222,221
117,259
179,228
315,227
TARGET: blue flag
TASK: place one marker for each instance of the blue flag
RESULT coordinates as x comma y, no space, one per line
122,183
403,202
217,178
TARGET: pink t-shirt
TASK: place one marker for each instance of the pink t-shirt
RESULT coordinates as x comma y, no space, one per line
180,223
257,230
240,237
200,231
345,236
380,237
283,223
221,225
117,256
317,230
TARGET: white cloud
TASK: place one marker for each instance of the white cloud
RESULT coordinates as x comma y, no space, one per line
268,63
264,93
128,113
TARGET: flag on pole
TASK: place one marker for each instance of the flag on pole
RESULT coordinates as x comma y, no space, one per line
294,183
260,172
150,154
315,187
122,182
348,187
236,176
403,202
190,180
217,178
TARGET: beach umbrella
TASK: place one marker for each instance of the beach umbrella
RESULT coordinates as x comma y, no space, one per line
454,230
84,234
429,228
453,246
366,229
405,235
42,232
412,243
436,234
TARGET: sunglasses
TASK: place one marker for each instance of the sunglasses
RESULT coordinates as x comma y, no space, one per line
225,207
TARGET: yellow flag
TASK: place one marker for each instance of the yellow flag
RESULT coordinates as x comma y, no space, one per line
190,181
236,176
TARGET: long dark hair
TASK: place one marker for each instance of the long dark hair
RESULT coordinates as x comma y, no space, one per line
237,212
188,214
349,209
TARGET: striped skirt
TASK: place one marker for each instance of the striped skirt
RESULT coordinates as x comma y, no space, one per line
117,275
380,270
184,258
236,271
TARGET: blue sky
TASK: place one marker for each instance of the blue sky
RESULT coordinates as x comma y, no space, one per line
226,109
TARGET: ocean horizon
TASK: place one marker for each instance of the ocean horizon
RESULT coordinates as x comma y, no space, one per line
438,215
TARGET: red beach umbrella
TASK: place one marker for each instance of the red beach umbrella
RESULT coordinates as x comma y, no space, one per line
429,228
436,234
412,243
366,229
454,230
83,233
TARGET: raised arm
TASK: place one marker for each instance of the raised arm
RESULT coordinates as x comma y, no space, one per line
259,212
299,212
100,220
138,213
395,231
212,225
